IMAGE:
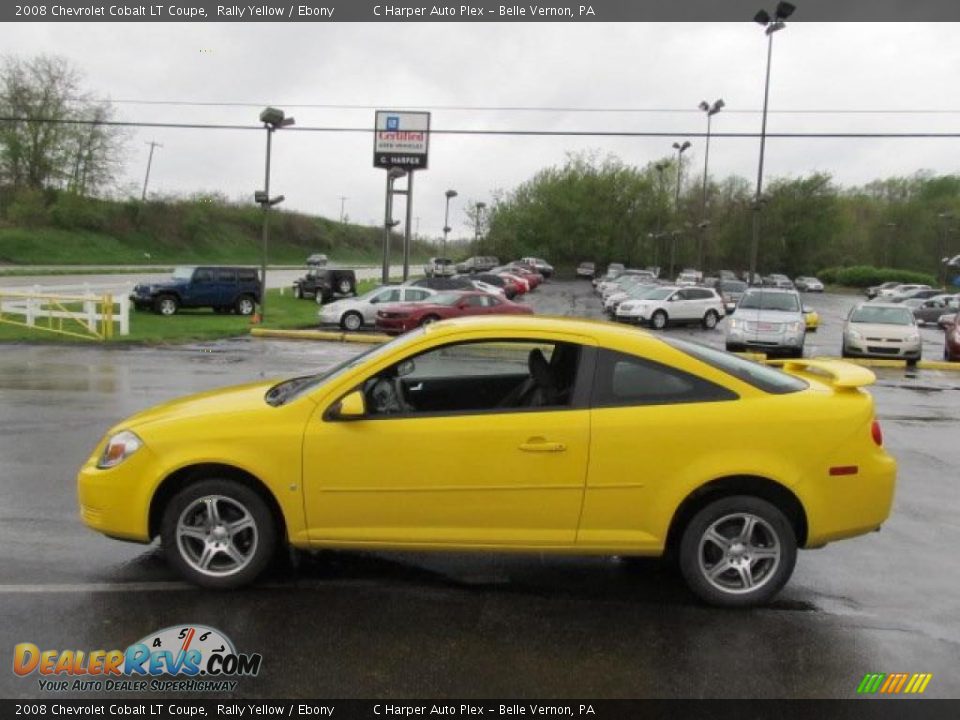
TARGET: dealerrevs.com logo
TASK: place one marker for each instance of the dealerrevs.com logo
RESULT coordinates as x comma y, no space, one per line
200,658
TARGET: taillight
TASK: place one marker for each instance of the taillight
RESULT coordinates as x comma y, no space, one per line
877,433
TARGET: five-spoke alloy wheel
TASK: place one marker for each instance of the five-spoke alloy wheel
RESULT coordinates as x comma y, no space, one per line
218,533
738,551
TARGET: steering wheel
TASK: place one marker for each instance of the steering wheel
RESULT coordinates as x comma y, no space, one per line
387,397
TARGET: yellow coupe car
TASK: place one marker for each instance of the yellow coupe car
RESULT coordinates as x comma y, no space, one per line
511,434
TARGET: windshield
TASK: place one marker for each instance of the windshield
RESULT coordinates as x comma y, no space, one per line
784,302
882,315
183,273
289,389
447,298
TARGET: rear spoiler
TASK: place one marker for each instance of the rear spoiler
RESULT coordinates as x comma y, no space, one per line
842,375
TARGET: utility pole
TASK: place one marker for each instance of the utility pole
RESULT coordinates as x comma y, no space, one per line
343,202
153,144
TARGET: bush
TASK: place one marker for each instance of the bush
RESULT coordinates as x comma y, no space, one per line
74,212
861,276
29,209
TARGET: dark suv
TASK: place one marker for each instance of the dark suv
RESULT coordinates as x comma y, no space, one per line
325,283
225,289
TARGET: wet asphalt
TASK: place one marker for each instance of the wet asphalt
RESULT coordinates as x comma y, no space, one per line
356,624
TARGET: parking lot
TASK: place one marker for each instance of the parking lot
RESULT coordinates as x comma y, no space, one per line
355,624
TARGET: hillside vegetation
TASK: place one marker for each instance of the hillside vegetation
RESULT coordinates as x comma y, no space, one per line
58,227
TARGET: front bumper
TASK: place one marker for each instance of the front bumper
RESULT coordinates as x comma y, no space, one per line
767,341
864,347
115,501
394,326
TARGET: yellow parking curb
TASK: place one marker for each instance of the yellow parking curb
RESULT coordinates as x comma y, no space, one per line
326,335
938,365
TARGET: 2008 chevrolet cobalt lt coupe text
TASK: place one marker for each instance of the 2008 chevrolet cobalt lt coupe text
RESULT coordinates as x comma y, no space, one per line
617,443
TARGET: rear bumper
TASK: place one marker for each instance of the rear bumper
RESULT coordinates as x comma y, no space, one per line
394,326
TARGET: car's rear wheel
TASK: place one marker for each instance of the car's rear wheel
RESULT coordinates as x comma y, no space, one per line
738,551
659,320
167,305
245,305
218,533
351,321
710,319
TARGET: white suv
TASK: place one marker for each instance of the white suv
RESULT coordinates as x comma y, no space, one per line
673,305
439,267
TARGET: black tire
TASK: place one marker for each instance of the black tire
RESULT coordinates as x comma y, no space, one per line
166,305
255,543
772,534
844,353
345,286
351,321
658,320
734,348
245,305
428,320
710,320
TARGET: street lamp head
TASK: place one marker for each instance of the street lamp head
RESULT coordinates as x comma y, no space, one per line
704,105
784,10
481,205
762,18
680,148
774,26
260,197
451,193
447,229
275,118
717,106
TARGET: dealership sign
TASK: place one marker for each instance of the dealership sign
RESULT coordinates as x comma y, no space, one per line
400,139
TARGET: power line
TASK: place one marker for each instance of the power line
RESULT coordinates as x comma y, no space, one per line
521,133
528,108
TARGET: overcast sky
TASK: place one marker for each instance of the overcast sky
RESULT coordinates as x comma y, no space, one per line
816,66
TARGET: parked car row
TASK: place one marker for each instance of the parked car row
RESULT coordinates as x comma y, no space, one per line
421,301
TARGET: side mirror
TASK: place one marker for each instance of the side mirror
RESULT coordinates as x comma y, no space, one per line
351,407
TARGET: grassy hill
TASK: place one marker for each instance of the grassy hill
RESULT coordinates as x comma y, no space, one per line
62,228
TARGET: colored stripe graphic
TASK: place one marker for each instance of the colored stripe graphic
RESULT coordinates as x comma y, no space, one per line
894,683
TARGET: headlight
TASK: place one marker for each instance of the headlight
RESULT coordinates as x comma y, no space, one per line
915,337
794,327
119,448
735,324
854,335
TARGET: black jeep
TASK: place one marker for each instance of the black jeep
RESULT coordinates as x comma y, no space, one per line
325,283
225,289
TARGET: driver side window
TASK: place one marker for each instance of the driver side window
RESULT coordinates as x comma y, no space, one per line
471,377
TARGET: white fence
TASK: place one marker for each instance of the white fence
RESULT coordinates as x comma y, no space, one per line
79,310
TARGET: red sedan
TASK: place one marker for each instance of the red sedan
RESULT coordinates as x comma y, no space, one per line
406,316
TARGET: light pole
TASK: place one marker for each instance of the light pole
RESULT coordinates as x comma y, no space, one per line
772,25
660,168
388,221
272,119
710,110
153,144
476,232
446,219
945,217
680,148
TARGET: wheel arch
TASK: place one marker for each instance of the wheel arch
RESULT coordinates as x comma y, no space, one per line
753,485
185,476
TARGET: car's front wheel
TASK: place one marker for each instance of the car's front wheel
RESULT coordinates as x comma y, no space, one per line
710,320
659,320
218,533
738,551
351,321
167,305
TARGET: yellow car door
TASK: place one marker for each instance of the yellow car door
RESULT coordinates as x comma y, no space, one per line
468,459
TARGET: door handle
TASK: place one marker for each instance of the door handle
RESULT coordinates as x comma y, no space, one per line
541,445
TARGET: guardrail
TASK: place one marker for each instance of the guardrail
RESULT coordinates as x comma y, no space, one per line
84,315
